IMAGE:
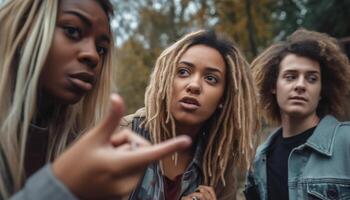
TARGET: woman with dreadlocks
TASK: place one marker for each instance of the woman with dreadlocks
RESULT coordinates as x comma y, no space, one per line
55,67
200,87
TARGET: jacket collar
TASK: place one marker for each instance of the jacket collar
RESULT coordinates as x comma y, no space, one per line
321,140
263,148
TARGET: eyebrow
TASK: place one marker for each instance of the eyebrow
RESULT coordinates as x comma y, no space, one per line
296,71
85,19
88,23
212,69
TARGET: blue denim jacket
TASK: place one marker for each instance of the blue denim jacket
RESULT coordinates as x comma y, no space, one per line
151,186
318,169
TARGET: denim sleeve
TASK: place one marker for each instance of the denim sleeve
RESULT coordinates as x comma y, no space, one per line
44,185
251,190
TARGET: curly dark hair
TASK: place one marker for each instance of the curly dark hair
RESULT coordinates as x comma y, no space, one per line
335,72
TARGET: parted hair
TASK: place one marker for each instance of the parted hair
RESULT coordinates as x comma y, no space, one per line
335,72
27,29
230,140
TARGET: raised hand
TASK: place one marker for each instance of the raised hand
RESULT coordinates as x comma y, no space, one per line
105,163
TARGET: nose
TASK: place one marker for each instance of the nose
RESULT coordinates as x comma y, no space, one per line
194,85
88,54
300,84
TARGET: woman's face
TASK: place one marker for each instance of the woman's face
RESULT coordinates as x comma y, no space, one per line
198,86
80,44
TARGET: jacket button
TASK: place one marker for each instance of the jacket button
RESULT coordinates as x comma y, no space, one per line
332,193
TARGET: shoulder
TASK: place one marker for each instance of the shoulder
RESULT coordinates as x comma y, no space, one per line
343,131
135,122
127,120
339,130
265,145
339,127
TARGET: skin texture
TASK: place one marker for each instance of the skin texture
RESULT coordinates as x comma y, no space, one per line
202,193
109,166
201,77
298,90
80,42
198,88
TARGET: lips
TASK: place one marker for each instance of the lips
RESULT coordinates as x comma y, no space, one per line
82,80
190,103
298,98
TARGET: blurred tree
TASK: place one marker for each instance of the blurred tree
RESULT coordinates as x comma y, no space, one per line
147,27
248,22
132,76
320,15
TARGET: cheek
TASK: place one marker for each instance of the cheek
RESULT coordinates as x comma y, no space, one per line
215,97
317,95
178,86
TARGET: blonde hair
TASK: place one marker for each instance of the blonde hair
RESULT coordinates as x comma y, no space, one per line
231,132
27,29
335,72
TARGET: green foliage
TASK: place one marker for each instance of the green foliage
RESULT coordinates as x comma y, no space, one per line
329,16
144,28
150,26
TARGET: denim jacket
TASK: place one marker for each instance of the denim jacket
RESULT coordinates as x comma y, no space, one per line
151,186
317,169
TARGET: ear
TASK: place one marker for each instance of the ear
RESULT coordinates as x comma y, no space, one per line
220,104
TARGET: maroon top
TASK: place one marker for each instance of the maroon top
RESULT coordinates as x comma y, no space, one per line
172,188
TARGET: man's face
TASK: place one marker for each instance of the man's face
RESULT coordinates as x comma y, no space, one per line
298,86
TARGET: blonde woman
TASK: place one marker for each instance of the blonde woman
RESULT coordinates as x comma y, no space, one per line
55,84
200,87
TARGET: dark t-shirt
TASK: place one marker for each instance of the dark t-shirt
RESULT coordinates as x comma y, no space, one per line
277,163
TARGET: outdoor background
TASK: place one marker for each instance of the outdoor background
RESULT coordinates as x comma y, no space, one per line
143,28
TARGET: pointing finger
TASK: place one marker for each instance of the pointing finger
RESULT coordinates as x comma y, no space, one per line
111,121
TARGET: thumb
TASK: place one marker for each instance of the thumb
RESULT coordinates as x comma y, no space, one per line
111,121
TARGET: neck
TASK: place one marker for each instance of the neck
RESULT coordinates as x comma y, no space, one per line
46,109
184,157
295,125
190,130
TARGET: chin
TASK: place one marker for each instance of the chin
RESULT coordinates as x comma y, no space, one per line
189,121
70,99
298,114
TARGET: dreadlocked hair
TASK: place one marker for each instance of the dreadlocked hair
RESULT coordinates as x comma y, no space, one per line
231,130
334,66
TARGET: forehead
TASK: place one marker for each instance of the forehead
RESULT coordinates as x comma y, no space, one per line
203,55
88,8
293,62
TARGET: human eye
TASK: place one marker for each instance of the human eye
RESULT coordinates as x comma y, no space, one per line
212,79
183,72
312,78
290,77
72,32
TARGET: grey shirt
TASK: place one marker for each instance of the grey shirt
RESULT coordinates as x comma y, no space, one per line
43,185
